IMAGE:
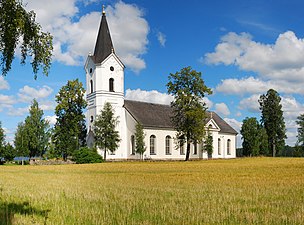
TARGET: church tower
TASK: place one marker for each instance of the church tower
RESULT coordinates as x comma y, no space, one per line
105,83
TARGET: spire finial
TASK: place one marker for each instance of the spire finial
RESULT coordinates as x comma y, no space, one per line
103,10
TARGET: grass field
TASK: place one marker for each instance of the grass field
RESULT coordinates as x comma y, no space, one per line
241,191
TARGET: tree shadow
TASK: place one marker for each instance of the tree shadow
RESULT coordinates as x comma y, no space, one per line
8,211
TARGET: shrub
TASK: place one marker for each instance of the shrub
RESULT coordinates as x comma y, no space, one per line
87,155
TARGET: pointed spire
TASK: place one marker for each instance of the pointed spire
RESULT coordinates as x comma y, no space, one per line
104,46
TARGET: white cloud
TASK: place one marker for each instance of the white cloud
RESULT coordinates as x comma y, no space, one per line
222,109
52,119
75,37
250,104
27,94
17,111
245,85
3,84
208,102
282,61
148,96
7,100
236,125
161,38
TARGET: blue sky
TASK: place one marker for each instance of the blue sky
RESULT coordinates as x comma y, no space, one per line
242,48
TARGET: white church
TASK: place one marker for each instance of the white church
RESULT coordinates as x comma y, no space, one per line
105,83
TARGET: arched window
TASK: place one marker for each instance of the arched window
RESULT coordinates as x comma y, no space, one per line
219,146
111,85
92,119
133,145
152,145
228,147
91,86
168,145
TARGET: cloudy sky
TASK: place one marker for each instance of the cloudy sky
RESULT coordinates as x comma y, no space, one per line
242,48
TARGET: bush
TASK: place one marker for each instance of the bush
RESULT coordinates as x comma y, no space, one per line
87,155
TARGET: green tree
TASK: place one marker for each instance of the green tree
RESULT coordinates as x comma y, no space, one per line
208,144
8,153
2,136
188,108
263,137
250,136
106,137
21,142
140,147
273,120
70,129
37,131
18,25
300,136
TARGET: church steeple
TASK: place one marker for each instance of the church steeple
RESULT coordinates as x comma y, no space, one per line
104,46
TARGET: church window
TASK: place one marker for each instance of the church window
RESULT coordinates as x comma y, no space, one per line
219,146
91,86
228,147
182,150
210,126
152,145
91,70
168,145
195,149
133,145
112,68
111,85
92,119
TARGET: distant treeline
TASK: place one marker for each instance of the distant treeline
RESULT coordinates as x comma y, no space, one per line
287,151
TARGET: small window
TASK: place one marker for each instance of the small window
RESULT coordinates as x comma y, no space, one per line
210,126
91,70
182,150
152,145
112,68
168,145
92,119
111,85
228,147
91,86
219,146
133,145
195,149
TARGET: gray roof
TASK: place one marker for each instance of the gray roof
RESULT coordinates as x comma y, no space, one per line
104,45
152,115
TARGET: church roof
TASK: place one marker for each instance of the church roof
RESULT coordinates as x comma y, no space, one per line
152,115
104,45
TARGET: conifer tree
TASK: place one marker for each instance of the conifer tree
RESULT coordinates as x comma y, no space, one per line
273,120
106,137
140,147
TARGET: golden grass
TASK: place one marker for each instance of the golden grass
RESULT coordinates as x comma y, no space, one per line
241,191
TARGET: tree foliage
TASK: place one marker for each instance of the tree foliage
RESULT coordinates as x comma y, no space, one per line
19,27
21,140
2,137
140,147
106,137
70,128
86,155
189,110
8,152
208,144
273,120
250,136
36,131
300,136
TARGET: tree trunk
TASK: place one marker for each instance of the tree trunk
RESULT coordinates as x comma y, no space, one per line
188,151
273,149
105,154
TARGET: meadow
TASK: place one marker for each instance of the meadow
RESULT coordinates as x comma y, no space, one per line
239,191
